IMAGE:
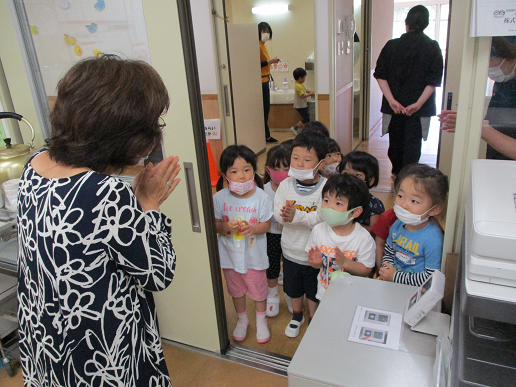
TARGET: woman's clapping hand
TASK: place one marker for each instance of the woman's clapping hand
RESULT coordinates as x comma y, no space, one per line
155,183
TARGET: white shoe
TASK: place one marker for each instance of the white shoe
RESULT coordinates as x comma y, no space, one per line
293,130
292,329
289,303
273,305
280,279
240,332
263,334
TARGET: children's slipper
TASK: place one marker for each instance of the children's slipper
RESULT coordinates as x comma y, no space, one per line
273,305
240,332
292,329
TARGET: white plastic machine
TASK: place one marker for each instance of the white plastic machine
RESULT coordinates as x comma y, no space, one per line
484,338
491,227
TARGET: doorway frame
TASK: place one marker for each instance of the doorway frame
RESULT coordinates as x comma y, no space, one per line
194,96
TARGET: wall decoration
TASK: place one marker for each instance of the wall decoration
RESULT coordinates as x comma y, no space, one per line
66,35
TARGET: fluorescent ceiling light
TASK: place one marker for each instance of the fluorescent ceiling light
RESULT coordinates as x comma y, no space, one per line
272,9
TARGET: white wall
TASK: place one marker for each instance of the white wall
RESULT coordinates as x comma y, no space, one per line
201,17
322,52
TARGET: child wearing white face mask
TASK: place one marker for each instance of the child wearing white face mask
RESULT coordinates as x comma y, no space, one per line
414,246
332,160
243,215
340,244
296,205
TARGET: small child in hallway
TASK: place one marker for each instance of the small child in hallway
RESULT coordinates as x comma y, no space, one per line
300,98
296,205
414,246
340,243
333,159
243,215
365,166
276,170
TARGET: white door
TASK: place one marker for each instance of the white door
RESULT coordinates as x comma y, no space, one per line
341,101
187,310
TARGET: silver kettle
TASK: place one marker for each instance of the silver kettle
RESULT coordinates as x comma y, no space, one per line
14,157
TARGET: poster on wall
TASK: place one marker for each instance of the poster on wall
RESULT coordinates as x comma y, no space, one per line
66,31
493,18
280,66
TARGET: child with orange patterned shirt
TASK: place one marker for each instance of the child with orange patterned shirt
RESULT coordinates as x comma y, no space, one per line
340,243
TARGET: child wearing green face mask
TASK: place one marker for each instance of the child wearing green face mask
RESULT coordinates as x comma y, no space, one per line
340,243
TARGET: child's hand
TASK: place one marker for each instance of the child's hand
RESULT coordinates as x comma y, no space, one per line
315,257
246,229
386,272
287,212
340,258
233,225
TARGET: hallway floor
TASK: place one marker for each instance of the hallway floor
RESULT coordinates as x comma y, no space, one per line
190,368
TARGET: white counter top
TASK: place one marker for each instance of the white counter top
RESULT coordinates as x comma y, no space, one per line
326,358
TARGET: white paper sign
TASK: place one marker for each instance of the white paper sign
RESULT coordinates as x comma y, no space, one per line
376,327
212,129
493,18
280,66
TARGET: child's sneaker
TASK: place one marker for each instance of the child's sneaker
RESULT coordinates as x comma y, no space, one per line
273,305
289,303
292,329
293,130
280,279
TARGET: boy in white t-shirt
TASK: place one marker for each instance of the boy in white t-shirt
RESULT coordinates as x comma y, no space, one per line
339,243
296,206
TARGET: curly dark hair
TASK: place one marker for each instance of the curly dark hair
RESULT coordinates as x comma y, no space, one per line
107,113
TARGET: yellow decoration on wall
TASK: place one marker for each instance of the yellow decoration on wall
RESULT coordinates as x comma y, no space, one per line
34,30
78,50
97,53
69,40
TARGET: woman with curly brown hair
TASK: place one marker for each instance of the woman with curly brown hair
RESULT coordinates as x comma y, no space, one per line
92,249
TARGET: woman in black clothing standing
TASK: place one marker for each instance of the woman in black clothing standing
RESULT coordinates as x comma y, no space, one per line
408,70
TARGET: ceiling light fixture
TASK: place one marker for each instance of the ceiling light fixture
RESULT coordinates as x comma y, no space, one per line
272,9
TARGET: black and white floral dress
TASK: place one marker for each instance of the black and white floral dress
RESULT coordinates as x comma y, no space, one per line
89,258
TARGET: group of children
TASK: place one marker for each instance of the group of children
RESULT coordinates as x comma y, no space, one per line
316,215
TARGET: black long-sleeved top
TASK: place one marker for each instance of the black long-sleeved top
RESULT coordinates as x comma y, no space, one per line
409,64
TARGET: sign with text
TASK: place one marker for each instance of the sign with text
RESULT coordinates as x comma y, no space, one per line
493,18
212,129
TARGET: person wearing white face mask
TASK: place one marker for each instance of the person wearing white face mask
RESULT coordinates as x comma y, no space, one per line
499,124
296,207
340,243
414,246
332,160
501,112
242,217
265,34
